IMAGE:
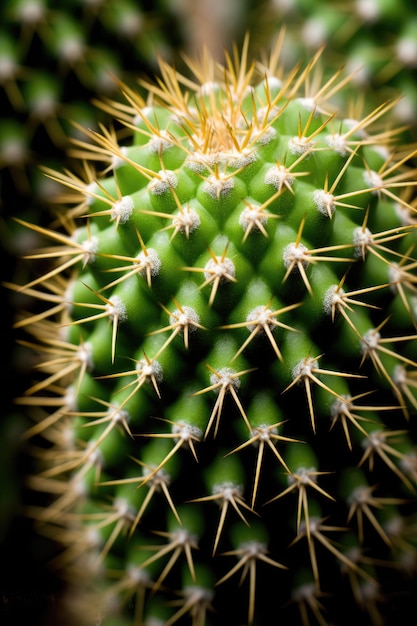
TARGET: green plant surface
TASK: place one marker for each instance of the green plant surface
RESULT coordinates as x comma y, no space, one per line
224,403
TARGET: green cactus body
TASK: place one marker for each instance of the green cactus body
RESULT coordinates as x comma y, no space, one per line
237,331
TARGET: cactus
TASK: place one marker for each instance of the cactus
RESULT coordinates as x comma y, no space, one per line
54,59
375,39
42,91
225,396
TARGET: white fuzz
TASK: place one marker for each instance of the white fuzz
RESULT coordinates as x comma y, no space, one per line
90,247
304,475
273,82
295,253
360,71
183,537
147,112
369,341
165,180
314,33
374,180
149,370
263,432
200,162
149,261
278,175
361,240
161,477
179,116
305,593
404,110
185,431
382,150
123,508
90,191
264,136
13,151
44,106
122,209
303,369
94,455
368,10
159,143
299,145
85,355
340,407
284,5
118,415
375,439
399,376
218,185
225,377
130,24
78,487
228,490
8,68
259,316
219,267
408,463
360,495
209,87
394,275
251,216
252,549
325,202
155,621
31,12
370,593
139,577
310,104
116,309
187,221
118,159
352,123
337,143
315,527
332,298
70,399
186,317
195,595
68,297
72,49
239,158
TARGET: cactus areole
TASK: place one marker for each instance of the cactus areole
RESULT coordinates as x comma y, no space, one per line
227,356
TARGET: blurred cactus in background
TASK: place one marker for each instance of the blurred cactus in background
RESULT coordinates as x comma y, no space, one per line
54,59
374,39
215,378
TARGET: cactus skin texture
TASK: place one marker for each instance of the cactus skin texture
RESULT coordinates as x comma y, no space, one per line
226,387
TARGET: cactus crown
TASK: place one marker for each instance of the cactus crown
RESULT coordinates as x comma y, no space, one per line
230,320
